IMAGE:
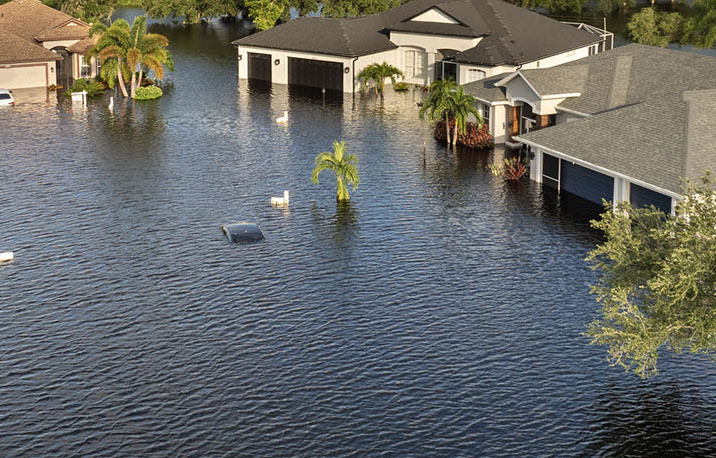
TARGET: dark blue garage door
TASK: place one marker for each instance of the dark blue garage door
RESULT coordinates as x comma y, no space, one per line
585,183
642,197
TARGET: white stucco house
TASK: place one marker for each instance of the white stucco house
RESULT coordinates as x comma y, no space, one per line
629,124
40,46
468,40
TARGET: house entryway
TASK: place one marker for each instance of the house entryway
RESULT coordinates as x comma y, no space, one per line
63,68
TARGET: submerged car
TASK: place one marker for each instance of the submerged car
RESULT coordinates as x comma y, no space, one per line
6,97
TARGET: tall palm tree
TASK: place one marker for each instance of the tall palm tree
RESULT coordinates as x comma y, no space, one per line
111,50
345,166
461,105
126,50
435,106
378,73
147,50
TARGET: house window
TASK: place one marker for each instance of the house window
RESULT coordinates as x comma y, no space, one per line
85,69
474,74
415,64
485,112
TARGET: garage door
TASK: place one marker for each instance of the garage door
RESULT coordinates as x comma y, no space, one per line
315,73
259,66
585,183
22,77
643,197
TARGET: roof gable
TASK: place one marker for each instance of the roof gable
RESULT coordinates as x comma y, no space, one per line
436,15
30,18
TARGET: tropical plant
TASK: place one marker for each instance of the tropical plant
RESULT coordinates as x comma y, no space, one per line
460,105
401,87
474,137
377,74
657,287
345,166
111,50
434,104
128,51
93,87
148,93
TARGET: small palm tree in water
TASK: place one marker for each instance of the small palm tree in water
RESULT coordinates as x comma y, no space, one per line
345,166
378,73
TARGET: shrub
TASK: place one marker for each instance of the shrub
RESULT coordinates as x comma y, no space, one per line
474,137
400,87
93,87
148,93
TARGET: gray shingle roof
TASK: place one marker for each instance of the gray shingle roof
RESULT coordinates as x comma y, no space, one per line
486,90
657,141
635,73
512,35
557,80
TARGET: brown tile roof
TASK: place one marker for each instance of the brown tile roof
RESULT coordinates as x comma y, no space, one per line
14,49
84,45
29,19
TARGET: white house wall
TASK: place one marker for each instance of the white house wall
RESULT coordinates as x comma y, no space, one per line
54,44
18,76
558,59
431,43
394,57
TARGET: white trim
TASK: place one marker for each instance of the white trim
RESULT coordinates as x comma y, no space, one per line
561,96
578,113
598,168
494,104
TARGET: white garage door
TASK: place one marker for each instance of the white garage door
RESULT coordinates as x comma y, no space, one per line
21,77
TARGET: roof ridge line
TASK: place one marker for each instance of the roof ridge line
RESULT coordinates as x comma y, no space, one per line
345,36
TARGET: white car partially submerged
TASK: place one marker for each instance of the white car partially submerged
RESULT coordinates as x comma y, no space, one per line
6,98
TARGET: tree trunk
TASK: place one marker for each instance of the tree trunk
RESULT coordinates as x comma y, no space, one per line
454,137
120,78
141,75
447,128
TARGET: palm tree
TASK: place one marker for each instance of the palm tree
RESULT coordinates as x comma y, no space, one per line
344,165
461,105
111,50
148,50
124,50
378,73
434,105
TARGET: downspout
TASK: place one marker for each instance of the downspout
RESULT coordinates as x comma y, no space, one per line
354,76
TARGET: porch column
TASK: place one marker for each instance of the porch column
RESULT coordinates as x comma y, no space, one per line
431,68
536,166
514,121
621,191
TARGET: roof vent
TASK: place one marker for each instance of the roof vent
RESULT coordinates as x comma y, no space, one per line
243,232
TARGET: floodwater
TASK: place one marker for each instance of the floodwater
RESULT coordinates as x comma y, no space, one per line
440,313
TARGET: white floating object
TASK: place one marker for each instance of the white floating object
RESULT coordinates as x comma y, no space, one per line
7,256
80,97
283,118
280,201
111,104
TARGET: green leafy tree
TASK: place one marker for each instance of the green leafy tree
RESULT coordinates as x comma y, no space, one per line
651,27
352,8
700,29
304,7
435,106
658,280
87,10
193,11
555,6
265,13
345,166
111,50
377,74
460,105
